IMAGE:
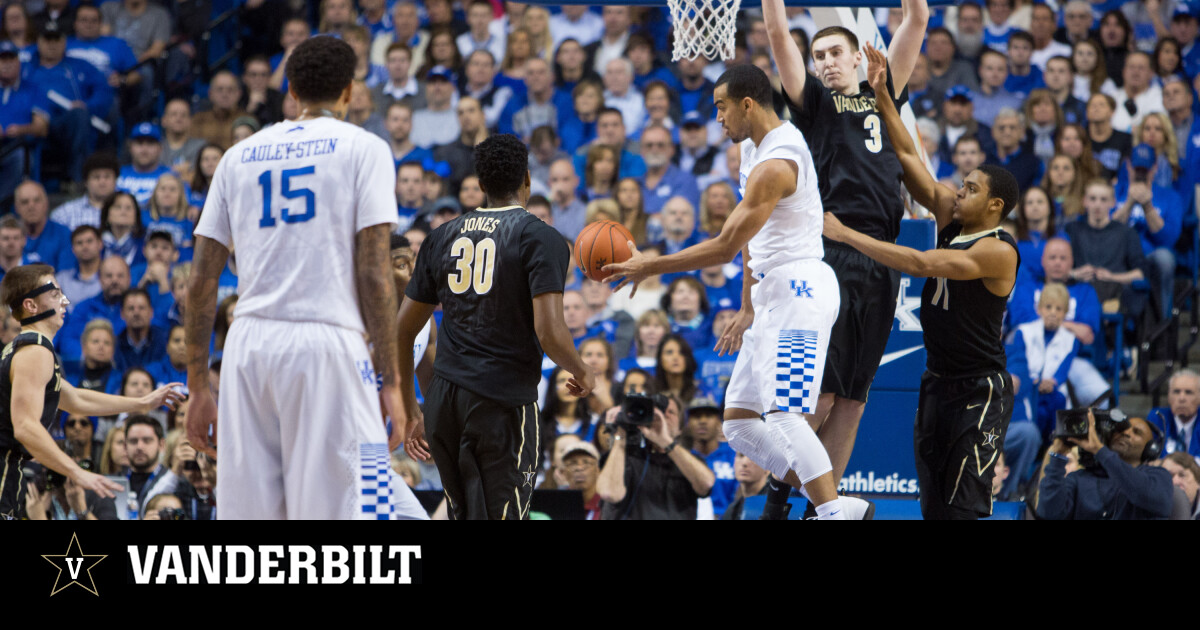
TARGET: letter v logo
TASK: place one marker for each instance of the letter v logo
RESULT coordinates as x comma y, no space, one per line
73,566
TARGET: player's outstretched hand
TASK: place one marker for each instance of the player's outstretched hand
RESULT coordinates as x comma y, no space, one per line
202,422
103,486
581,385
632,270
167,396
731,338
414,436
834,230
876,69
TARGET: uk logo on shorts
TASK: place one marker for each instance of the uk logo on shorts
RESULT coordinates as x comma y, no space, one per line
801,289
366,372
795,370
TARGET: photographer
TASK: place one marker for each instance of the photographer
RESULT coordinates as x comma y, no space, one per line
1114,483
648,475
51,496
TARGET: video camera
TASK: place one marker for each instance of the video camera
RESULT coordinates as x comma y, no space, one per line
638,410
1073,423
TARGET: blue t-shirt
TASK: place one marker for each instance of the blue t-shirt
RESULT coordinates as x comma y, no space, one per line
106,53
725,486
52,246
673,183
1022,86
140,185
1169,207
714,372
163,373
417,155
179,229
19,104
74,80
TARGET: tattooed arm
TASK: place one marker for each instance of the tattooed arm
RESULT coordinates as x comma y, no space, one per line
377,303
201,311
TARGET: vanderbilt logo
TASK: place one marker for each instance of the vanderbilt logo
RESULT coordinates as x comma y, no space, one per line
76,565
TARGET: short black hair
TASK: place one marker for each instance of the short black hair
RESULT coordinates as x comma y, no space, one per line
537,200
133,292
604,111
1001,185
136,419
747,80
399,241
86,229
320,68
1022,36
160,235
501,162
99,161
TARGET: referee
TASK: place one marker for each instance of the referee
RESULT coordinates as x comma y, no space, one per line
32,390
966,393
498,272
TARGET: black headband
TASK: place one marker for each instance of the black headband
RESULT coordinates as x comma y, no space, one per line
33,319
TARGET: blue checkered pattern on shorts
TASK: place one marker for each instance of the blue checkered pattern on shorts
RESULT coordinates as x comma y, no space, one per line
375,467
795,369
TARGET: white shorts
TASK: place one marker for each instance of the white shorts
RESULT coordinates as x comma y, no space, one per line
299,430
782,358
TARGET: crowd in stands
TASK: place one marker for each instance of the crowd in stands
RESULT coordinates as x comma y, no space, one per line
113,117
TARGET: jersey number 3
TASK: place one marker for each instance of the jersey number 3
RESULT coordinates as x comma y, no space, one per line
310,200
875,140
475,266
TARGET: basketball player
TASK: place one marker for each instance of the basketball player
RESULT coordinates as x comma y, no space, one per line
966,393
499,274
310,206
860,183
425,345
32,390
795,295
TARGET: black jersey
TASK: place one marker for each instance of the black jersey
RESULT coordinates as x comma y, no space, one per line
962,319
857,169
485,268
49,402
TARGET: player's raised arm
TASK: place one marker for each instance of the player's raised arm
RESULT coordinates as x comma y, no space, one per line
210,259
792,69
917,178
906,43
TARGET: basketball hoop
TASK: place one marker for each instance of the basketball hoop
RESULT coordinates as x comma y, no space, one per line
704,27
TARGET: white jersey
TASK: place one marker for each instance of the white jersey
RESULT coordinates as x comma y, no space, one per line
421,343
793,231
291,198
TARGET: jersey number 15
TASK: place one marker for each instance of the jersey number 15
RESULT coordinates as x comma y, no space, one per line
310,200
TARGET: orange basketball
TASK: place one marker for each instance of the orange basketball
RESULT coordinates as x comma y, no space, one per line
601,243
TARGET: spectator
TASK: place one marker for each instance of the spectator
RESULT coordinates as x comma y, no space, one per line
578,23
1023,76
567,209
664,180
1040,354
12,245
172,310
649,293
518,50
113,458
597,353
57,11
437,123
141,343
108,54
203,169
470,195
361,110
1156,213
1082,318
45,241
678,220
1064,185
554,476
660,110
752,481
581,469
1012,153
945,71
114,281
579,130
173,367
147,477
1157,133
613,43
991,97
25,111
695,91
460,154
600,174
970,31
958,120
651,327
1077,22
654,481
1178,419
96,372
1116,36
1042,23
67,502
407,30
245,127
141,176
359,39
179,148
479,35
145,26
675,368
1178,99
1185,26
563,413
1058,77
79,431
1091,76
629,203
78,92
646,69
610,131
216,125
153,274
167,211
616,327
696,156
1115,485
998,30
543,152
1110,146
968,155
1167,60
336,16
16,27
408,191
375,18
1107,254
687,307
1138,96
442,52
400,86
82,280
931,137
1035,224
709,444
1044,118
538,109
1185,475
259,99
398,123
1074,141
294,31
716,204
620,94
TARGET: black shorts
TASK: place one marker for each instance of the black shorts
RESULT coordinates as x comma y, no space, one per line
864,321
486,453
12,484
960,428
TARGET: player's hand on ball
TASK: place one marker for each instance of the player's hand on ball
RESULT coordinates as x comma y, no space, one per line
834,230
876,68
168,395
731,338
633,270
99,484
202,422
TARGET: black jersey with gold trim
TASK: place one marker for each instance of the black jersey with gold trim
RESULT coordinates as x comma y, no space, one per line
49,402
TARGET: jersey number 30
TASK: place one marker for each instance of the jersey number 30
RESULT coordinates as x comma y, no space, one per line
310,200
475,266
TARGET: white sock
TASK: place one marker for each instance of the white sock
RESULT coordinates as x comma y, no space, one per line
831,511
854,508
755,440
806,455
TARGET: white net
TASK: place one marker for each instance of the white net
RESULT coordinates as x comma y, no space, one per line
704,27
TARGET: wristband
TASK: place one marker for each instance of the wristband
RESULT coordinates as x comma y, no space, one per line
1064,458
671,446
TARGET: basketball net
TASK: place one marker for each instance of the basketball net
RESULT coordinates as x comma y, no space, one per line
704,27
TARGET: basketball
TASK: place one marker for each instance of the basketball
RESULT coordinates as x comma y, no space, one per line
601,243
